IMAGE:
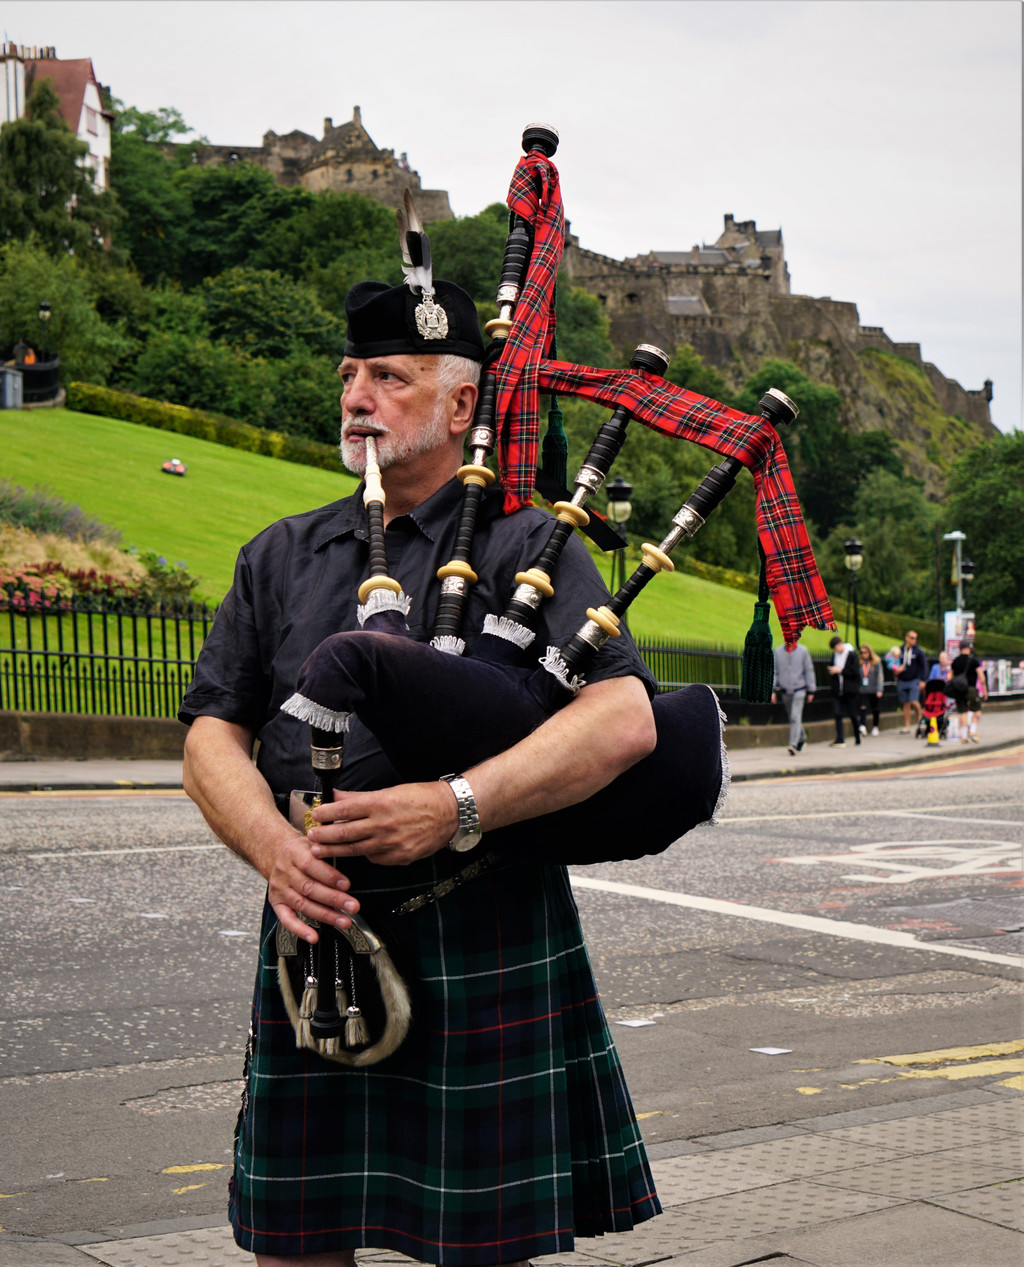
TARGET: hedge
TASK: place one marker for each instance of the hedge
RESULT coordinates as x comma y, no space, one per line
107,402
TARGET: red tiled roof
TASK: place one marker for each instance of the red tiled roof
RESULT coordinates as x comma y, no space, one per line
70,79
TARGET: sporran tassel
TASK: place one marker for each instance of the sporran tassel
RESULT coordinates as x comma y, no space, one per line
356,1032
758,658
307,1006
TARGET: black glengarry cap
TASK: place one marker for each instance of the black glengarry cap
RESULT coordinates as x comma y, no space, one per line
388,320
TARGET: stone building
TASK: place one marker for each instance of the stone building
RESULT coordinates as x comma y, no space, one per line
344,160
80,94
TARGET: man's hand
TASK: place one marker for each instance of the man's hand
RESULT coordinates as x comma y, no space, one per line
237,803
394,827
303,884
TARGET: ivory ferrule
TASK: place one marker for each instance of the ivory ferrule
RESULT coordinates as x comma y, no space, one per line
605,620
378,583
656,558
570,513
537,579
457,568
473,474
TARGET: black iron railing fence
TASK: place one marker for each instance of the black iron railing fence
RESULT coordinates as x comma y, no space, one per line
116,657
120,657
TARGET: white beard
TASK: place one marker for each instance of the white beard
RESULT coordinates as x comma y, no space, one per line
391,450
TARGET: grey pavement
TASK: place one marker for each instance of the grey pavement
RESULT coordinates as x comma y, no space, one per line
1001,726
892,1186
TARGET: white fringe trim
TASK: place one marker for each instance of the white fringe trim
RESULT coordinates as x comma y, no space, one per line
726,769
509,630
383,600
449,644
556,666
322,718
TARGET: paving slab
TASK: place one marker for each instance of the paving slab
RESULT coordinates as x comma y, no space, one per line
910,1235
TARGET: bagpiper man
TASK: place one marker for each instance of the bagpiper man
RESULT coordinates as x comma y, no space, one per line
501,1127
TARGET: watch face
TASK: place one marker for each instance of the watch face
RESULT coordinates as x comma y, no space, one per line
463,841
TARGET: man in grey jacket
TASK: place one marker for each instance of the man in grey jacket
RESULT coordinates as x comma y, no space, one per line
794,681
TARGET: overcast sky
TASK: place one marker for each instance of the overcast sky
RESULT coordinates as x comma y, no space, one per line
884,138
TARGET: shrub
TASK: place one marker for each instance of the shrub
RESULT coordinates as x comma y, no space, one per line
108,403
41,510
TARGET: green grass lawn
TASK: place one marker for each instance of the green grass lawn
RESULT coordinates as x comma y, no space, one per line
112,470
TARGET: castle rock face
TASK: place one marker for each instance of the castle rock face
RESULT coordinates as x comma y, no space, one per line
732,303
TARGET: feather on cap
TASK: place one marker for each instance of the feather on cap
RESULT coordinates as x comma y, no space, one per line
415,246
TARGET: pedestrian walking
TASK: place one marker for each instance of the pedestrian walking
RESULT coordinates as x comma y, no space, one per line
910,672
967,686
871,684
794,681
845,674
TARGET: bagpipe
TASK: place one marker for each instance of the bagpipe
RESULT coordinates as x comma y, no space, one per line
493,698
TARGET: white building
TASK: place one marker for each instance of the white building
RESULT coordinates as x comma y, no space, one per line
79,92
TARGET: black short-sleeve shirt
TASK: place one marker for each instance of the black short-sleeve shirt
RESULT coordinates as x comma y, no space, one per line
295,584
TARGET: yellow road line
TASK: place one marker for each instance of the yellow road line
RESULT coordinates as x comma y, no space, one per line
982,1069
185,1170
948,1053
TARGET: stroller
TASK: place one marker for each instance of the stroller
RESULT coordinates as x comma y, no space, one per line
934,706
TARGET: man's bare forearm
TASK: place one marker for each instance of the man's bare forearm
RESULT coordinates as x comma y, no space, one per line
607,728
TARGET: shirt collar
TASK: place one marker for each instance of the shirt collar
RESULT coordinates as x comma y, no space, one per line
429,517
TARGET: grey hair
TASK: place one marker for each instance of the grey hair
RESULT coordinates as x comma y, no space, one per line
453,370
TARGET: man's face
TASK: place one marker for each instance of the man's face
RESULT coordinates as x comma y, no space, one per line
911,639
398,399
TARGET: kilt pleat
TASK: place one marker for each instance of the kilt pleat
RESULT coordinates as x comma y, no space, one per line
500,1130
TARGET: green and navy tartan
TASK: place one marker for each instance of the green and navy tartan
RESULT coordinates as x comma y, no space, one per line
500,1130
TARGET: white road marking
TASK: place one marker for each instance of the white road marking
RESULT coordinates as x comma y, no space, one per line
956,857
808,923
68,855
926,810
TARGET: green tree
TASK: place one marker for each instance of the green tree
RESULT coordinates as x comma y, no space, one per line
233,209
895,524
45,191
583,329
687,369
156,208
325,228
263,313
88,347
469,251
986,502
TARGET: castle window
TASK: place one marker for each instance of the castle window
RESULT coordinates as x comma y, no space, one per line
233,156
632,298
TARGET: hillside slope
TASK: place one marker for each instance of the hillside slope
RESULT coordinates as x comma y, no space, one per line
112,470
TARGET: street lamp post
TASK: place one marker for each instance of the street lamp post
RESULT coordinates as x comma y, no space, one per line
854,561
958,538
619,510
44,322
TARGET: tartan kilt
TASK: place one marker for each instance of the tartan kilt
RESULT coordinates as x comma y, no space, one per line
500,1129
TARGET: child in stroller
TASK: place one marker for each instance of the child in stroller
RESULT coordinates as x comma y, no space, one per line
934,705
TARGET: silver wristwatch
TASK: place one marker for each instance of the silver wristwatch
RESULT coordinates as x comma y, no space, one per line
468,835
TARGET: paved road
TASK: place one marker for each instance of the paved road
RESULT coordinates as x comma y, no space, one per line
863,922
